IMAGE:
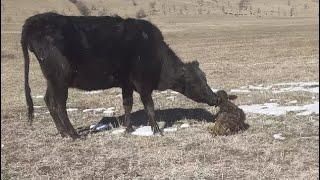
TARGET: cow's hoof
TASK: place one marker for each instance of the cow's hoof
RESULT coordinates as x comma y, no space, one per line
129,130
75,136
156,130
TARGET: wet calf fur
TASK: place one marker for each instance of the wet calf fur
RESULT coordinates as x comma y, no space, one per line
230,119
92,53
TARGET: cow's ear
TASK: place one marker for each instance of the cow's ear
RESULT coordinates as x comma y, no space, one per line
232,97
195,62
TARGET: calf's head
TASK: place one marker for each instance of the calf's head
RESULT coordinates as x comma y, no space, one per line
195,85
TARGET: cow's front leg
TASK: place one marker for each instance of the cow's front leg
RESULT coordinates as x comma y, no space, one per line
149,108
127,96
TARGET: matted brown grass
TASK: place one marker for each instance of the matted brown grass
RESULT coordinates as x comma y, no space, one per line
232,51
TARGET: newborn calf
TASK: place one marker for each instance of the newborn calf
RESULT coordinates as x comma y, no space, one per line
230,119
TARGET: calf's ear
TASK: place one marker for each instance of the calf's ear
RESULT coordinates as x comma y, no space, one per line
232,97
195,62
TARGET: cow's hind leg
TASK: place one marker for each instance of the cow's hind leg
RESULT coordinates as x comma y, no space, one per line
127,97
60,96
49,99
148,104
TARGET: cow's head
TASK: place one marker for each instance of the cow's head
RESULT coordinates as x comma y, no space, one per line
195,85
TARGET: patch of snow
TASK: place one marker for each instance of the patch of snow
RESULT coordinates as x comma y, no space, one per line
164,92
109,111
87,110
118,131
292,102
38,96
95,110
259,87
185,125
273,100
174,92
93,92
99,109
278,136
37,107
275,109
171,98
143,131
310,109
298,84
171,129
298,88
214,90
240,91
92,126
72,109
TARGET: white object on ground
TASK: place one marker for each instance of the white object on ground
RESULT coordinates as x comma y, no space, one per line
96,110
118,131
214,90
292,102
171,98
170,129
240,91
92,126
109,111
38,96
101,127
143,131
185,125
277,110
174,92
310,108
72,109
259,87
279,136
93,92
298,88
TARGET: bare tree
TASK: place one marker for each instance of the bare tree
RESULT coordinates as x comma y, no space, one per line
83,9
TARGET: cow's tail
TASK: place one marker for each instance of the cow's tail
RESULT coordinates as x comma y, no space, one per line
24,45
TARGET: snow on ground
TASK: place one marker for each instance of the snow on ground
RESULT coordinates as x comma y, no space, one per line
185,125
274,109
278,136
143,131
171,98
93,92
118,131
312,87
170,129
106,111
72,109
38,96
240,91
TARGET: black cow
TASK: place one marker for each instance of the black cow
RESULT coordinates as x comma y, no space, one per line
92,53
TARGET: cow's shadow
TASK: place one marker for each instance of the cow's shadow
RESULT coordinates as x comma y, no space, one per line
169,116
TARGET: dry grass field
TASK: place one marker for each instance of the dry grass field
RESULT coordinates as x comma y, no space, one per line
233,50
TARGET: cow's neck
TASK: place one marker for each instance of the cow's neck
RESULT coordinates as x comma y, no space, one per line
171,76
